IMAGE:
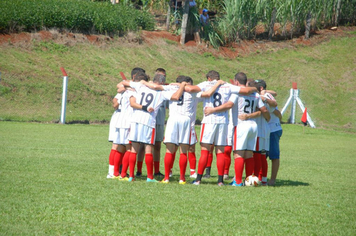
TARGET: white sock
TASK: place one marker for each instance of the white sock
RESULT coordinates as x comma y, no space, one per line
111,170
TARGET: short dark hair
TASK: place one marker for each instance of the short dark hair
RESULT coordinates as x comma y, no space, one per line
140,76
180,78
136,70
161,70
188,80
262,83
213,75
253,83
249,81
241,78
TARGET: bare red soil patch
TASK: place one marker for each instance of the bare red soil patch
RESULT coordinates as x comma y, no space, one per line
242,48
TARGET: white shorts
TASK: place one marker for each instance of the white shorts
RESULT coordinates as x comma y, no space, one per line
178,130
122,137
112,128
230,131
193,136
214,134
245,136
141,133
159,133
262,144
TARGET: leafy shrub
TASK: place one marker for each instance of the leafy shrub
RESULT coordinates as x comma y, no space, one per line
79,16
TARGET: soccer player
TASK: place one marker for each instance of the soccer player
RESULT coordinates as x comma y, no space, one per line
122,125
143,124
159,78
160,120
180,126
275,134
122,140
263,135
113,134
214,126
245,131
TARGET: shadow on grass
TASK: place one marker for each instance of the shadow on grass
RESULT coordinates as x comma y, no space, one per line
283,183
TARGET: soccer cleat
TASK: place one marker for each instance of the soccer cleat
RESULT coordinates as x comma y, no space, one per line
220,184
159,174
226,177
196,182
194,176
138,174
109,176
151,180
131,179
182,182
206,176
165,181
123,179
234,184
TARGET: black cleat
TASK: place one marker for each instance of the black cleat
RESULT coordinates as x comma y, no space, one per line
159,174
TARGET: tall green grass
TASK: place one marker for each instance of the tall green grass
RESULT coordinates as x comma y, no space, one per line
53,182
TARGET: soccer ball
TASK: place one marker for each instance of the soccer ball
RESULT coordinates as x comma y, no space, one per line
252,181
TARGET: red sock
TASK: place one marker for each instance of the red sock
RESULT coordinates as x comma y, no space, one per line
249,166
117,162
132,163
227,152
139,166
203,161
111,157
210,159
125,163
192,160
257,159
239,169
149,165
264,166
168,159
220,163
183,165
156,166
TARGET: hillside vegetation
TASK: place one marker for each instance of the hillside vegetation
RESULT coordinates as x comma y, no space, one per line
31,81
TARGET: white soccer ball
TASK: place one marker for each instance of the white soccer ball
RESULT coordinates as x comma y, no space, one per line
252,181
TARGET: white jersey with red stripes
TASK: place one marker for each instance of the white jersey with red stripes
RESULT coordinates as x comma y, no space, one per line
263,130
185,106
274,123
150,98
248,104
220,96
114,118
124,120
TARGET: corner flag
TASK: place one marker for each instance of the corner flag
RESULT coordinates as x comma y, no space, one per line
304,117
122,75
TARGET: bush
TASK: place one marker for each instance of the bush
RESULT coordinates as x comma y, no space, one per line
78,16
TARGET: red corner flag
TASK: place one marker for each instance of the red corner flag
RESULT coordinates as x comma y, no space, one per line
122,75
304,117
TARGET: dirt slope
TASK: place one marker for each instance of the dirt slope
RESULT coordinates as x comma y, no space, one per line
243,48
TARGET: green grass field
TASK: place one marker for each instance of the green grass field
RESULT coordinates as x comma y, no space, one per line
53,182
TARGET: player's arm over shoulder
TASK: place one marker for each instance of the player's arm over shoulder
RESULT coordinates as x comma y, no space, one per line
179,92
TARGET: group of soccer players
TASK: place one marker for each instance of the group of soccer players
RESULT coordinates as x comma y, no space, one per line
237,118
